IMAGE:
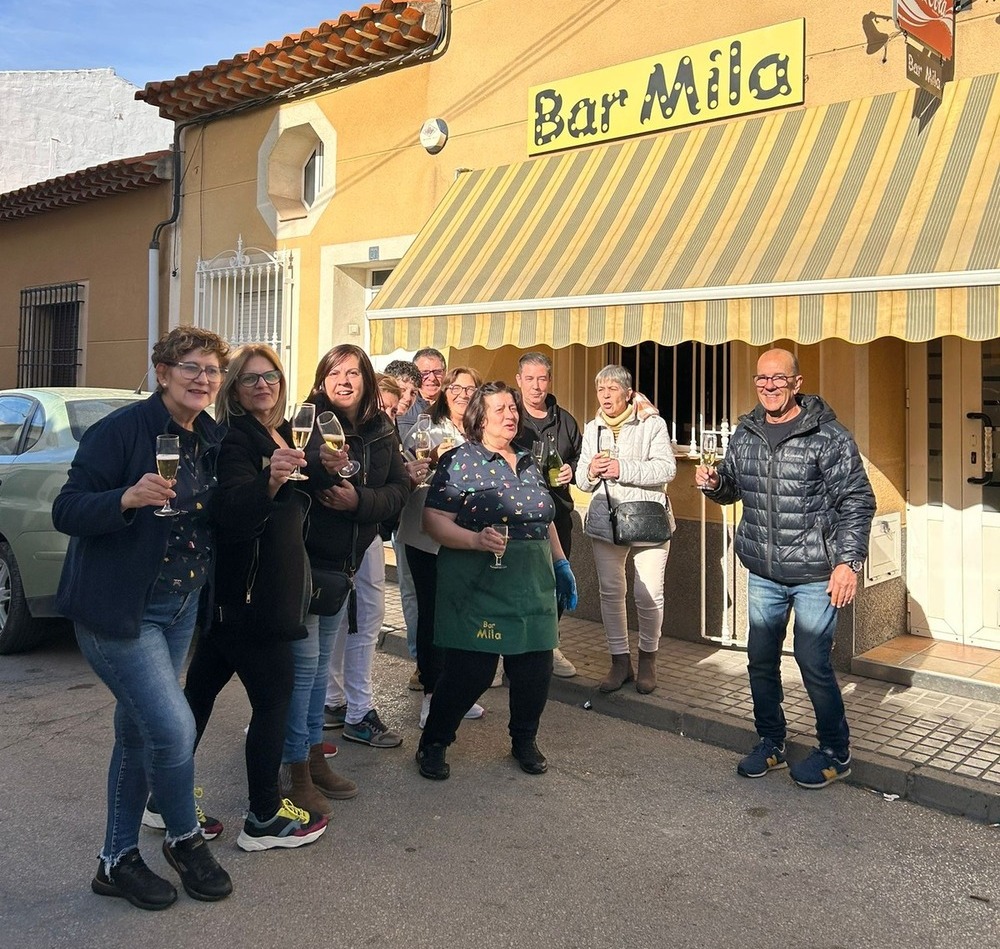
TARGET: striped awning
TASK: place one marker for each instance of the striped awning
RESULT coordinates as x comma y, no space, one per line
875,217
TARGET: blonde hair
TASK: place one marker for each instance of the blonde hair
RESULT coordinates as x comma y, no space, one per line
228,402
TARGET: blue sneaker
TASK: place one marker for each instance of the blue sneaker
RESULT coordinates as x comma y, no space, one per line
767,756
372,731
821,768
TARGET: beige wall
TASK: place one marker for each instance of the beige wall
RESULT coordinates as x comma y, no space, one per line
102,244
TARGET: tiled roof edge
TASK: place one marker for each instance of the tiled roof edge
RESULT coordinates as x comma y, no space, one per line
377,33
112,177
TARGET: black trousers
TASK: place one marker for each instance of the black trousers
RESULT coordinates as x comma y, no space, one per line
467,675
430,658
564,530
266,670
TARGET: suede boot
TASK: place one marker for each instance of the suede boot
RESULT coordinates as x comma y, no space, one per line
327,781
298,787
620,673
645,681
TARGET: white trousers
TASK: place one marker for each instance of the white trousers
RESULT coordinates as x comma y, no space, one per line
352,655
648,567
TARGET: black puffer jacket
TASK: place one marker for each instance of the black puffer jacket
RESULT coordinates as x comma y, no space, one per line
382,485
808,506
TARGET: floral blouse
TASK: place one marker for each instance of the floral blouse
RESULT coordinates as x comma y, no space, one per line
479,487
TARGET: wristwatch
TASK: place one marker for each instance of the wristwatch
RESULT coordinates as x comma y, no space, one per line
856,565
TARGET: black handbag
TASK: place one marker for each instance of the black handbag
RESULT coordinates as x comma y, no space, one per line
638,523
330,588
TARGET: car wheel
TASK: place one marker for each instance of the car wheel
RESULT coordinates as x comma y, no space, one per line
19,630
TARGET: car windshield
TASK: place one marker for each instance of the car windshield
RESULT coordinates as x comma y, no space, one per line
84,413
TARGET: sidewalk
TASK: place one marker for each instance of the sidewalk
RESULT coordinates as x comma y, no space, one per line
928,747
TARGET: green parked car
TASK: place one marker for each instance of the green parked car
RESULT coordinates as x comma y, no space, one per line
40,430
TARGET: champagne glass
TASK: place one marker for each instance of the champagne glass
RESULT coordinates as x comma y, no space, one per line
333,434
303,417
423,422
168,459
709,449
501,529
538,452
422,445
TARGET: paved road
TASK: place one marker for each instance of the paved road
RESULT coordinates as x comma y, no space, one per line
635,838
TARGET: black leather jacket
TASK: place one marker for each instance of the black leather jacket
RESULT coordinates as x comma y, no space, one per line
808,506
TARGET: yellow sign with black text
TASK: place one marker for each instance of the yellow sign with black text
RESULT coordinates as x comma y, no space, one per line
737,75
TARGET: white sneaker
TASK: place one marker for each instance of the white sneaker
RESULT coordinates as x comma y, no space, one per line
477,711
425,710
561,666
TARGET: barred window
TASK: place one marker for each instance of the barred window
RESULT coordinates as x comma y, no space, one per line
241,296
48,347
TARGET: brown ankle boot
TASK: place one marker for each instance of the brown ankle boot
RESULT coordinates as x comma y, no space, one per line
620,673
298,787
645,681
327,781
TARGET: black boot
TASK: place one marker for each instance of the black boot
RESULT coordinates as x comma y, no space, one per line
430,759
531,760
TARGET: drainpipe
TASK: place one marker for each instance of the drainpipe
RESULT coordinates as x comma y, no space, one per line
355,74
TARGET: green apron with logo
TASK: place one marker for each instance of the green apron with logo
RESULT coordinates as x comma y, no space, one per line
510,611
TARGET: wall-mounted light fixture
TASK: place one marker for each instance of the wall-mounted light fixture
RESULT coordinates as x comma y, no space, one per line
434,135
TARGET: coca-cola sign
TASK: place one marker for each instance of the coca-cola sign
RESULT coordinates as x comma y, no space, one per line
931,22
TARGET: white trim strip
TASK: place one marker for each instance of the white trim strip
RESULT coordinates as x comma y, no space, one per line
924,281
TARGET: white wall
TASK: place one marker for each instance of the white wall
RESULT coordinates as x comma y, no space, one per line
58,121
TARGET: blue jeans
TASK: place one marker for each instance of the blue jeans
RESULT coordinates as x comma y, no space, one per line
770,604
407,595
154,727
312,666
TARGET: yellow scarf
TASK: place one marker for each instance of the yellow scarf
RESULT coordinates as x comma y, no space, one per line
616,423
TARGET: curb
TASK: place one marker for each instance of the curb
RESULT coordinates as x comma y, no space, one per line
918,783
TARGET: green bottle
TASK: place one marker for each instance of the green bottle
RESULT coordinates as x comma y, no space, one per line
553,462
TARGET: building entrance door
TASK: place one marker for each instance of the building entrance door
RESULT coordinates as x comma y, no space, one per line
953,508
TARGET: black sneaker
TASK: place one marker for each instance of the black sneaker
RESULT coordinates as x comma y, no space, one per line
430,760
132,880
201,877
531,760
211,827
333,717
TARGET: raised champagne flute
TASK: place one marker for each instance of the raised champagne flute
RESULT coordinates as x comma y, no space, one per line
303,416
709,449
333,434
538,452
502,530
168,459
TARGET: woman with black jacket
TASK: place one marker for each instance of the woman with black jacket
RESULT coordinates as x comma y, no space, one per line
260,591
343,535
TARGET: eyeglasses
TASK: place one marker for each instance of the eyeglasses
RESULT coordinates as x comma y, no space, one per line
249,379
427,373
192,370
778,381
461,390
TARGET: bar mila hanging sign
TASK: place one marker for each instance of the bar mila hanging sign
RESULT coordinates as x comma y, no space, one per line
737,75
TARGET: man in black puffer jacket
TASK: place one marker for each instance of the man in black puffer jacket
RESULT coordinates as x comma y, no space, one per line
807,513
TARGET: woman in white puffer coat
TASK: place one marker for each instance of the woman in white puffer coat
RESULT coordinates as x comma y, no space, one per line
626,449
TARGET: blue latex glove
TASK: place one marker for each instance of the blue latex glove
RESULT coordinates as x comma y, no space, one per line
566,597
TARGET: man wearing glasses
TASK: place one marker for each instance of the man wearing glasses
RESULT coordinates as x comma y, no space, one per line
431,366
807,513
543,420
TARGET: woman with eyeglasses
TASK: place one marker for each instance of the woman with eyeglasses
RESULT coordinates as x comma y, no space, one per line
448,424
334,664
260,591
132,583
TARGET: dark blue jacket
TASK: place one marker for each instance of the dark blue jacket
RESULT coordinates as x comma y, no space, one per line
807,505
114,557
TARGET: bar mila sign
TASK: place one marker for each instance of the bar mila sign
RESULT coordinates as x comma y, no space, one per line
925,69
737,75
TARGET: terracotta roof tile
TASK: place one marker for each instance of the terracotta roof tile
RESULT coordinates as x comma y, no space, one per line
377,33
113,177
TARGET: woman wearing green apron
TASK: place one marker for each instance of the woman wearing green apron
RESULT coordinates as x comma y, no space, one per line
500,571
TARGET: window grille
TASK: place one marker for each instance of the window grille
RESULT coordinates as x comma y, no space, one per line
242,296
48,348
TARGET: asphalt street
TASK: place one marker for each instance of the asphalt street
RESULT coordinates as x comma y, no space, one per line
635,838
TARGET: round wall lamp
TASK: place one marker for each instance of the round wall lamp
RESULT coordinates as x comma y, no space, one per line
434,135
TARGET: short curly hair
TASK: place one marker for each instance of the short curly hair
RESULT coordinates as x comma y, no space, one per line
404,369
172,347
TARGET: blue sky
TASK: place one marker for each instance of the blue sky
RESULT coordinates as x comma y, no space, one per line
146,41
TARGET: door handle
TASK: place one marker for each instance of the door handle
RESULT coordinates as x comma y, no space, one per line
987,447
